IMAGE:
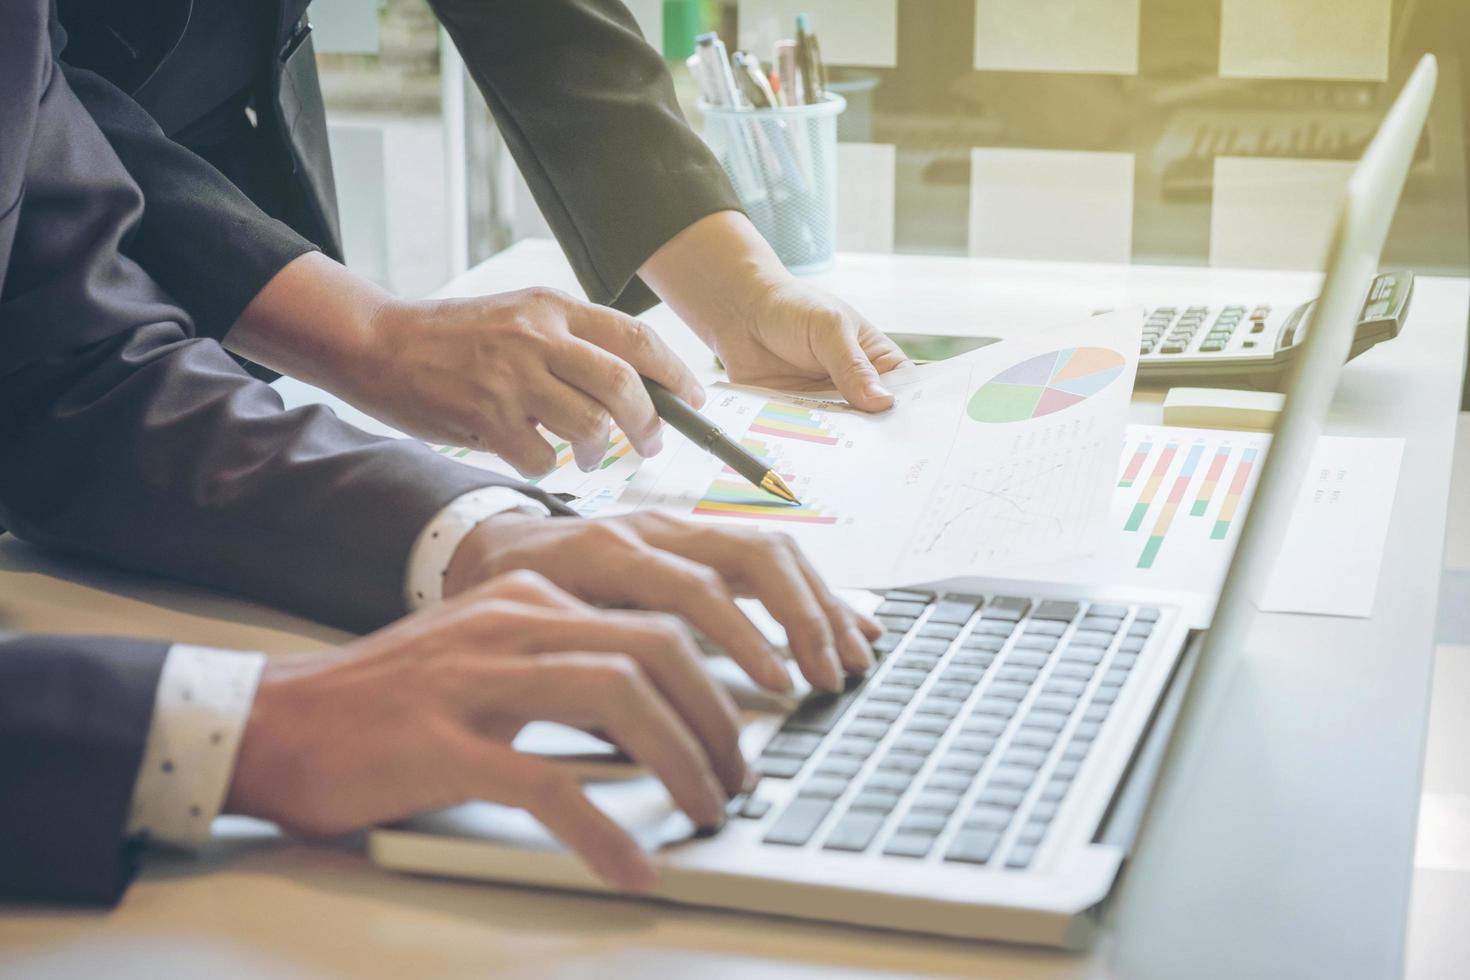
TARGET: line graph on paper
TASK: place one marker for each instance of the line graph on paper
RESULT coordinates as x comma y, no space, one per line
1025,503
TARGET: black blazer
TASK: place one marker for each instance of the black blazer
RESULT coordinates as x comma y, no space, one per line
126,436
585,105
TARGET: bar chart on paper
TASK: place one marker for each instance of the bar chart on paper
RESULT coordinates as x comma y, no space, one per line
733,496
1181,493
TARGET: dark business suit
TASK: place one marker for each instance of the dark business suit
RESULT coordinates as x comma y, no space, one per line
126,435
585,105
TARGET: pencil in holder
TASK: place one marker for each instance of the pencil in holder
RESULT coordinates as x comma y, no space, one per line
783,163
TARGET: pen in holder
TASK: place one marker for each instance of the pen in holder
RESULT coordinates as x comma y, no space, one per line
783,163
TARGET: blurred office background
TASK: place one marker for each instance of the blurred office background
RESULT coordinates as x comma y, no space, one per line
1164,131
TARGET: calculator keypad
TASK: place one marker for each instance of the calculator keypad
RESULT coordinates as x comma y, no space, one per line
1201,329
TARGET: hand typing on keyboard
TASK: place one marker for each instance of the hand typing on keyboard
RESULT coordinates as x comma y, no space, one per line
422,715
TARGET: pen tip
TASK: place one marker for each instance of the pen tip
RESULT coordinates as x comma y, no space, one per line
773,484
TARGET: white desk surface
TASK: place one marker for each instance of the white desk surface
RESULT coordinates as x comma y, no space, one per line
1288,850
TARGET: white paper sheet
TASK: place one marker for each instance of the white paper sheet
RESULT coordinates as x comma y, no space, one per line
1330,560
1178,502
1006,453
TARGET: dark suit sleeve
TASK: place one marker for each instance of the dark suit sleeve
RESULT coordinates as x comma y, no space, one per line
74,715
200,238
588,111
125,437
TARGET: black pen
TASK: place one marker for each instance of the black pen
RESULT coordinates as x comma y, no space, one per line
682,418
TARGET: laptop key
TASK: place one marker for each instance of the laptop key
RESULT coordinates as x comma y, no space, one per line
853,747
1024,756
1044,811
755,807
1140,628
796,824
823,787
901,607
1124,660
1096,712
898,762
909,845
1056,702
897,624
926,725
995,627
878,801
854,832
891,693
918,744
887,781
909,595
902,677
967,762
942,707
1007,691
946,689
1020,856
1044,627
955,608
936,802
1045,719
1084,655
1092,638
1021,675
795,745
867,728
987,818
1034,738
1087,730
820,712
1032,833
1066,768
839,767
1007,607
778,767
923,823
1056,610
949,782
1064,685
1036,641
1007,797
1147,614
983,725
1101,624
924,644
1132,644
961,674
1015,777
887,643
939,631
1073,668
1106,694
978,743
1055,790
879,711
979,659
972,846
1075,750
998,707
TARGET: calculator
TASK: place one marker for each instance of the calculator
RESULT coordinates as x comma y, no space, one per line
1253,344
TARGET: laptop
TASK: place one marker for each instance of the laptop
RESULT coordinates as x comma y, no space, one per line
987,779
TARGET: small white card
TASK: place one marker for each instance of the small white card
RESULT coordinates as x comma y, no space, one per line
1330,560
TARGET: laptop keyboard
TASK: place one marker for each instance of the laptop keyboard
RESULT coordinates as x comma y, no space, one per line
967,737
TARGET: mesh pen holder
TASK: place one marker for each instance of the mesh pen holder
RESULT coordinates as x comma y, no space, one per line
783,163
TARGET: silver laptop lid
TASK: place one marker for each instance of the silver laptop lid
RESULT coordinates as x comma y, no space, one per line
1190,836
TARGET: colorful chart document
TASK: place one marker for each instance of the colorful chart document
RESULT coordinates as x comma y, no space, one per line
1005,453
1175,512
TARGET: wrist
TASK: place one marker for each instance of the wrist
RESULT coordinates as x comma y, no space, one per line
715,273
482,554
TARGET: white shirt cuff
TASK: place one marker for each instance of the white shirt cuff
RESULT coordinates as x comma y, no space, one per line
199,713
428,560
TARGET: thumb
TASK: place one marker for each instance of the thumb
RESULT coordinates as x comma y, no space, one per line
853,372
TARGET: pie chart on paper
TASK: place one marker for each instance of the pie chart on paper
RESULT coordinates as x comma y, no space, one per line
1045,384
